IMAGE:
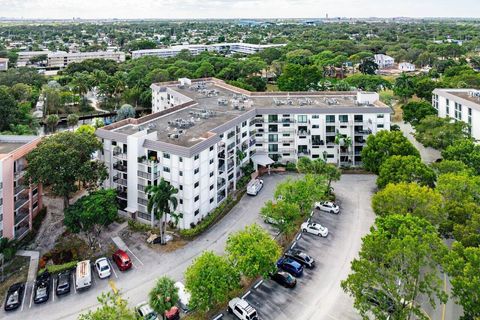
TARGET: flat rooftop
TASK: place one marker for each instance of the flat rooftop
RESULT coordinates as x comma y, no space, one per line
9,144
213,103
467,96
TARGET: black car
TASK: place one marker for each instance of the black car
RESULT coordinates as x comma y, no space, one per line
379,299
63,284
284,278
14,296
301,257
42,288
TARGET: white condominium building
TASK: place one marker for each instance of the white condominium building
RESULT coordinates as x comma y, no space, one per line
202,132
62,59
383,61
195,49
459,104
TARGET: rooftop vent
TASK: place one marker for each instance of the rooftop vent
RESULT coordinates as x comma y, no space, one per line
181,123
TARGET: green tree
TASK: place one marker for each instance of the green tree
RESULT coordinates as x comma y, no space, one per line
423,87
85,128
252,251
466,151
112,307
295,77
439,133
319,167
404,87
368,66
91,213
63,159
163,296
161,202
383,145
8,109
126,111
399,260
410,198
52,121
414,111
210,279
72,120
284,214
462,265
451,166
405,169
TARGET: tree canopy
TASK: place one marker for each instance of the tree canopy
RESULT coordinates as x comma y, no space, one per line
163,296
405,169
439,133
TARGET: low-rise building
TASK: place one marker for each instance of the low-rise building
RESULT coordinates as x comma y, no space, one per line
195,49
459,104
202,132
3,64
24,57
383,61
406,67
19,203
63,59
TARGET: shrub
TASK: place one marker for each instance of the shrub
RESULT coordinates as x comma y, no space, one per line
290,166
137,226
57,268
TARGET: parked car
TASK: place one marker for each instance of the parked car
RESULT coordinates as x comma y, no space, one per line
254,187
291,266
42,288
242,309
122,260
284,278
172,314
83,275
301,257
145,311
14,296
103,268
63,283
315,228
183,297
327,206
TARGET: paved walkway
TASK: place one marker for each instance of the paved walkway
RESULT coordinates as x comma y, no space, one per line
428,155
33,267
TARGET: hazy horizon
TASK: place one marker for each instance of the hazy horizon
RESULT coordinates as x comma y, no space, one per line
231,9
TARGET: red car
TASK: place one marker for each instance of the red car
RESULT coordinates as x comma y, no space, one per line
122,260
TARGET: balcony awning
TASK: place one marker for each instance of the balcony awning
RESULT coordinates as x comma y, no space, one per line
262,159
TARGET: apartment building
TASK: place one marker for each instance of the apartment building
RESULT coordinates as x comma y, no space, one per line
3,64
19,204
202,132
383,61
24,57
459,104
195,49
63,59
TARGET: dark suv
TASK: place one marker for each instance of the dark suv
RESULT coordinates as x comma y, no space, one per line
63,284
301,257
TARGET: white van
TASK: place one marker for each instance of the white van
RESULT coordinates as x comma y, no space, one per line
254,187
183,297
83,276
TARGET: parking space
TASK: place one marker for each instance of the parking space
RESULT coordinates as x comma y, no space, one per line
318,295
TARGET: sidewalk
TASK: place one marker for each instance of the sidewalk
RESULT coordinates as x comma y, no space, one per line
33,267
428,155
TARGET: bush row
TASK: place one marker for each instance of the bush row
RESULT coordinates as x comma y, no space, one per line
57,268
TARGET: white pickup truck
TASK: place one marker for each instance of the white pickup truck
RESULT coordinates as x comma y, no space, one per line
242,309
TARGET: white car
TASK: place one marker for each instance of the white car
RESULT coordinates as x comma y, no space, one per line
145,311
242,309
254,187
103,268
315,228
327,206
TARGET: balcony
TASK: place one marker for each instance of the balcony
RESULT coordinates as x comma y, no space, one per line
119,180
122,193
21,202
141,187
255,121
21,215
363,132
142,201
318,143
21,232
303,153
120,167
119,153
220,184
19,189
303,132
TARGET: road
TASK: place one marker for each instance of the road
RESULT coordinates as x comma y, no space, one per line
321,298
428,155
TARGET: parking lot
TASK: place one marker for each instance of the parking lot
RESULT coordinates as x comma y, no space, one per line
317,295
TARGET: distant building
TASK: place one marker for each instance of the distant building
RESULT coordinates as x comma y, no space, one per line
19,203
3,64
195,49
406,67
62,59
459,104
25,56
383,61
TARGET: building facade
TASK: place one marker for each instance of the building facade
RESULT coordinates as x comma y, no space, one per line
19,204
459,104
202,132
63,59
383,61
195,49
3,64
406,67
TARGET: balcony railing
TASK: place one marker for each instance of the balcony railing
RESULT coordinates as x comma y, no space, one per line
21,202
21,232
21,215
120,181
120,167
19,189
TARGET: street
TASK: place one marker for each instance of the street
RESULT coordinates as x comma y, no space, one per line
318,295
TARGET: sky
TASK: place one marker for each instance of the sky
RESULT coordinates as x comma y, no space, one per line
179,9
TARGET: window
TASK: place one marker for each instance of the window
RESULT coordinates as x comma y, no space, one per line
272,147
315,126
196,184
180,201
380,126
166,155
244,123
211,187
458,111
196,198
343,118
358,118
244,134
180,159
196,212
196,157
315,116
166,169
330,119
272,118
211,161
180,187
197,170
211,200
211,174
273,138
380,116
302,118
211,148
180,173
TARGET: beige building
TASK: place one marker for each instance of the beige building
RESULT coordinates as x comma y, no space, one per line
63,59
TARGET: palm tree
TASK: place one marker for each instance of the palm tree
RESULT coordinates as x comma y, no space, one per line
161,202
163,296
52,122
72,120
343,143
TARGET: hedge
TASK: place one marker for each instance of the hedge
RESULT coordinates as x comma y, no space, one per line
57,268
